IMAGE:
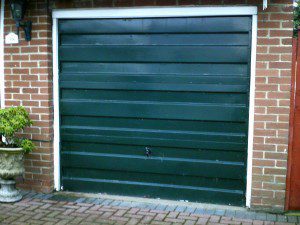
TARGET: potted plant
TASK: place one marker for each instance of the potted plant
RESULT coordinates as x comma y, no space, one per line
12,149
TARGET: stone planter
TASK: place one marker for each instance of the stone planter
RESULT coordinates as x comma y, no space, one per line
11,166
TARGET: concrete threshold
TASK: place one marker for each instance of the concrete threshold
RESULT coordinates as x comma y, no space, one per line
157,201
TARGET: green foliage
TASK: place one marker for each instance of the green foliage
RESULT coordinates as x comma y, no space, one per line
27,145
296,18
12,121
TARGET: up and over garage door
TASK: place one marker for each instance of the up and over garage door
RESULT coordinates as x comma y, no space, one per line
155,107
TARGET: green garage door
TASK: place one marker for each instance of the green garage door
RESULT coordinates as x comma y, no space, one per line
155,107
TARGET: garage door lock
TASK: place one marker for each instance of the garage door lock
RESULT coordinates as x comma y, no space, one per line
148,152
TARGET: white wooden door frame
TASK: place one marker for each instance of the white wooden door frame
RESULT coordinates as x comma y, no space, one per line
146,12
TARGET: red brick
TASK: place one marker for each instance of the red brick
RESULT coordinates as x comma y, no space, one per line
281,16
280,50
280,65
268,41
281,33
275,171
267,57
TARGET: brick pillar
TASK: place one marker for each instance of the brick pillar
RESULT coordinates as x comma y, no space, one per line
28,82
273,82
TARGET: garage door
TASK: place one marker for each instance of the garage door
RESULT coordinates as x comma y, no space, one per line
155,107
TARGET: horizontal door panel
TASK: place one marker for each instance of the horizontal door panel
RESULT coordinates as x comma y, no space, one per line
176,166
155,39
166,124
155,134
156,78
156,25
140,150
169,54
153,142
164,96
159,110
191,181
156,68
154,86
198,194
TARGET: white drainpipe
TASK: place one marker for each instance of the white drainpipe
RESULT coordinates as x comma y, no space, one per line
265,4
2,94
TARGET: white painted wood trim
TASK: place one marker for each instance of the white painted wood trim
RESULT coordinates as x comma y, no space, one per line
56,144
2,79
265,4
251,111
154,12
143,12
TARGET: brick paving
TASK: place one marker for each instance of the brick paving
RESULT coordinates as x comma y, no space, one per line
61,209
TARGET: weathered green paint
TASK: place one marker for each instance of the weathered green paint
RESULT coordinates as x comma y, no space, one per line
175,87
158,25
156,39
166,54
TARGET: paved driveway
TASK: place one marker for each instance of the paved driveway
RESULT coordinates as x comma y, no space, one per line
61,209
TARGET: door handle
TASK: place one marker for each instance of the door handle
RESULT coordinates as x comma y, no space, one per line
148,152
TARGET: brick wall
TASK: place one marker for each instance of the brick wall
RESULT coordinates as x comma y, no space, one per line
273,77
28,82
28,76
